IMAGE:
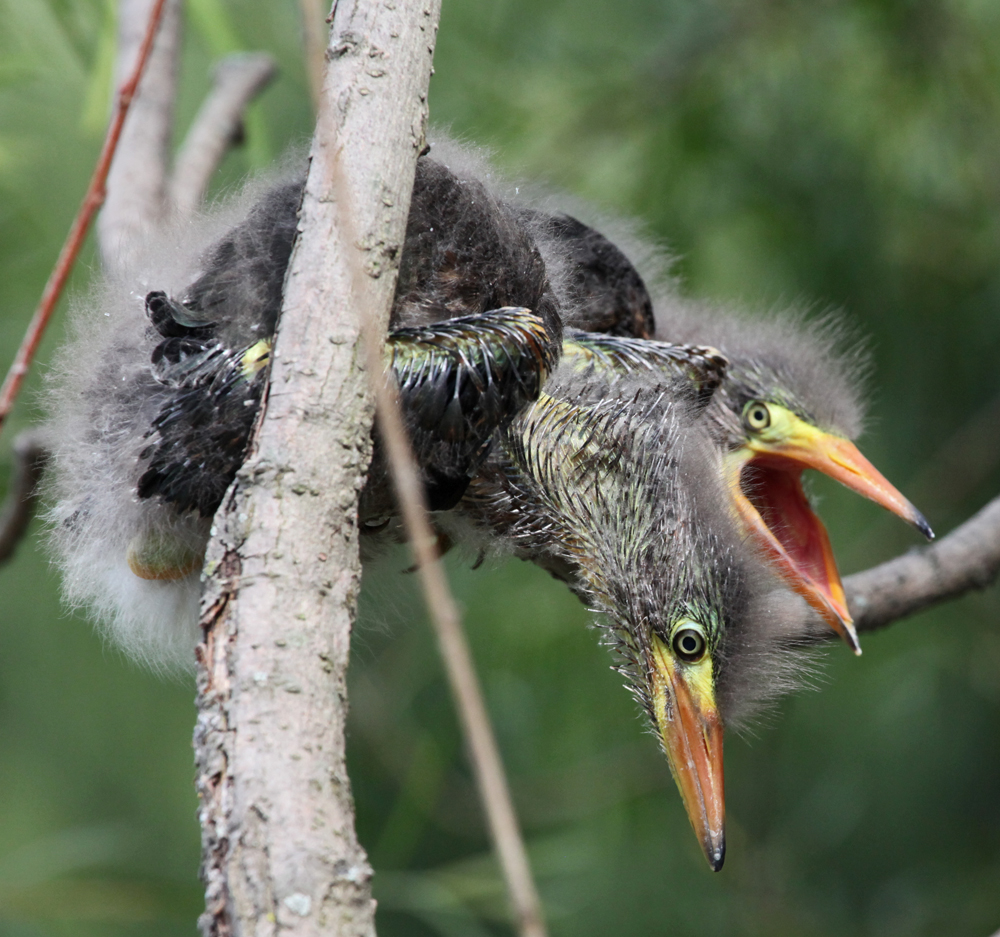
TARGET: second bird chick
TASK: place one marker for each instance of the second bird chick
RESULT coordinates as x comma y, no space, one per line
611,481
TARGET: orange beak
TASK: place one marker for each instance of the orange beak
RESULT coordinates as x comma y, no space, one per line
841,460
690,732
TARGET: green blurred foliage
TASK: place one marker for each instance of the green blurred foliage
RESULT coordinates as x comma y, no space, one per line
840,153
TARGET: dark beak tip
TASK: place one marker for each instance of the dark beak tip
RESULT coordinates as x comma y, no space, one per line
717,858
920,522
715,852
850,637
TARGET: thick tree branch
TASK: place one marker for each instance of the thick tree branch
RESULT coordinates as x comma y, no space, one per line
968,558
238,80
280,852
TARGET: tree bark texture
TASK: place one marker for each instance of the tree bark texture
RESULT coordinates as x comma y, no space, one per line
280,853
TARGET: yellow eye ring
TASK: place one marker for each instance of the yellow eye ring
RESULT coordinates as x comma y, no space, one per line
756,416
689,645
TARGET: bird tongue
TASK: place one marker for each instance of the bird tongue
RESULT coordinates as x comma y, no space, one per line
780,517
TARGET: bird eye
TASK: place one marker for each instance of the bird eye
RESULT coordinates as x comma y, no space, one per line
757,415
689,645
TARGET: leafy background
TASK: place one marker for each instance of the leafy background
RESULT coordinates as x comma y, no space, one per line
839,153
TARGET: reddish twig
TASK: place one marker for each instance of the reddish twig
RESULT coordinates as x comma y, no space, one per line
81,224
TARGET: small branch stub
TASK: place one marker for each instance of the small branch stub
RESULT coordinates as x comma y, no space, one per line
238,79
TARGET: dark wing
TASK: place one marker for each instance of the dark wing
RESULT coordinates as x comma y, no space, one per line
200,435
600,289
461,380
612,357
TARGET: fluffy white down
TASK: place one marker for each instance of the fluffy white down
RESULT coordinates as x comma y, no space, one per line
95,432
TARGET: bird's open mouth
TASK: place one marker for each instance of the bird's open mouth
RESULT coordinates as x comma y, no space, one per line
767,490
780,519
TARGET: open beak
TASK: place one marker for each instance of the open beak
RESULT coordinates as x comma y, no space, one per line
767,492
691,735
776,514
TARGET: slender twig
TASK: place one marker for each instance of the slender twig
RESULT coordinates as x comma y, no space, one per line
78,231
490,776
968,558
314,41
491,779
238,79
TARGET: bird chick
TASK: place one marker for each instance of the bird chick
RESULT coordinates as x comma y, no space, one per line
611,482
791,400
607,477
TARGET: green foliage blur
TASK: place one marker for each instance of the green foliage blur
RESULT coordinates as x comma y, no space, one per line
839,153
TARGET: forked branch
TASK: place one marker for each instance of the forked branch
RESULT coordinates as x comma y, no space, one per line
238,79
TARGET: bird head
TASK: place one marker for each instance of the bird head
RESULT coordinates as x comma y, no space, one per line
703,631
771,435
791,400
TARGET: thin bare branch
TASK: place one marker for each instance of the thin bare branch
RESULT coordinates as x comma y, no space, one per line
136,196
491,779
30,456
279,849
238,79
313,41
81,223
968,558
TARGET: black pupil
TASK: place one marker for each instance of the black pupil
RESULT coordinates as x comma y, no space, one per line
689,644
759,415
